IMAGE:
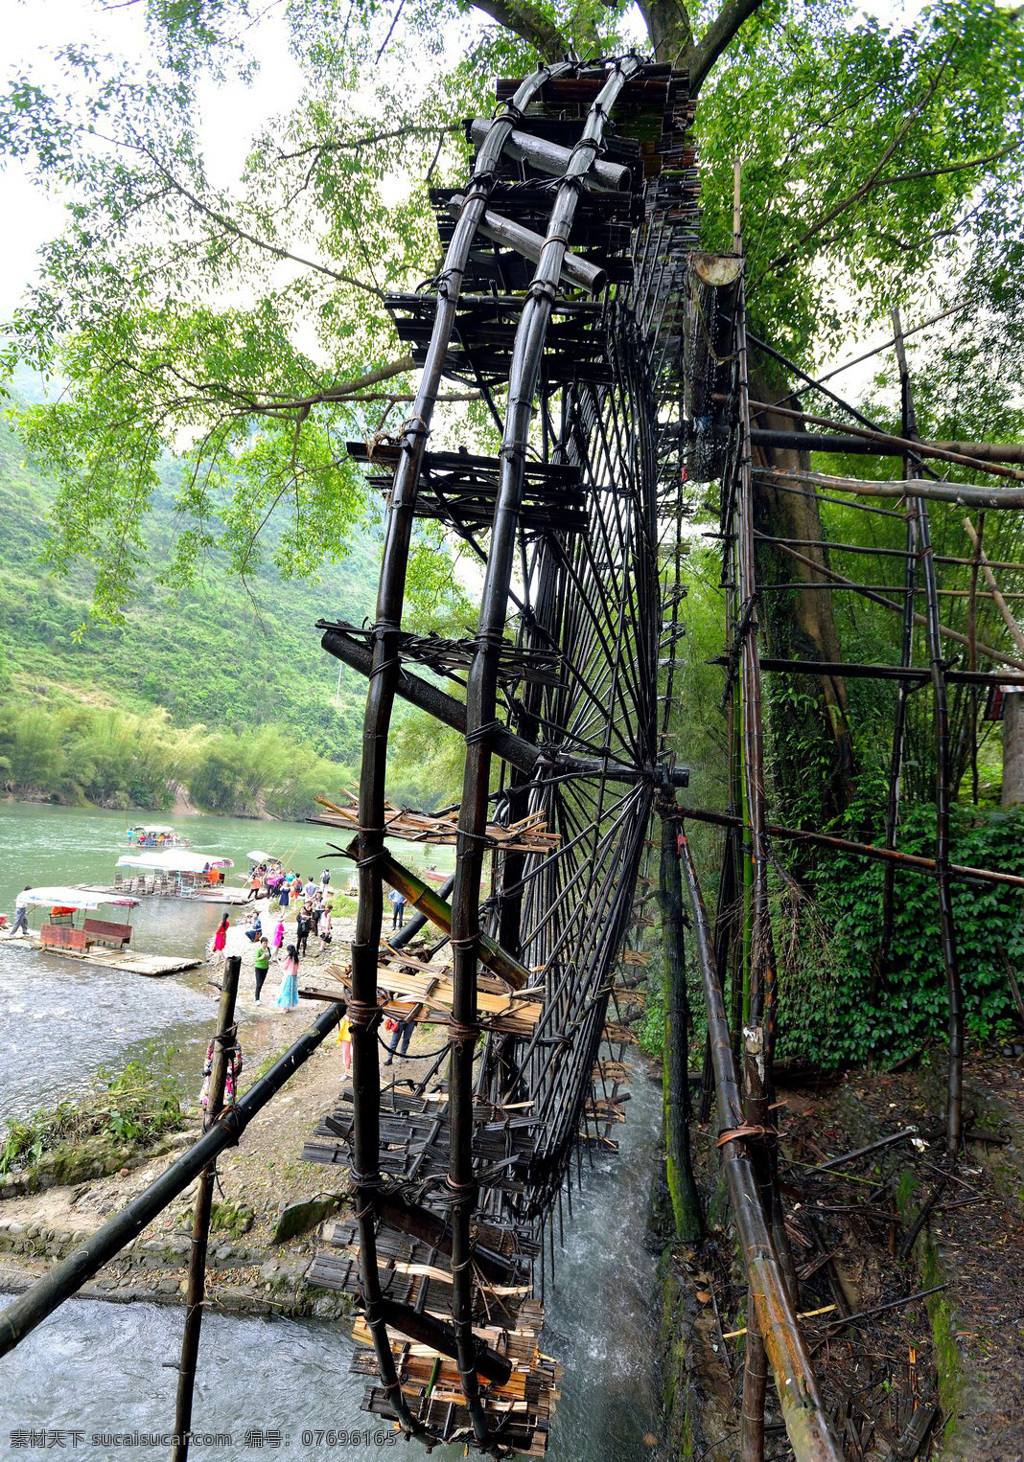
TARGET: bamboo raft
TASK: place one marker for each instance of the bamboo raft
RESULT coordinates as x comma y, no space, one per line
131,962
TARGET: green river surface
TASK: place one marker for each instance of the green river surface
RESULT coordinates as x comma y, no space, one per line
93,1371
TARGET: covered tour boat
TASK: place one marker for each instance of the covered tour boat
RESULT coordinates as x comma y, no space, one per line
171,872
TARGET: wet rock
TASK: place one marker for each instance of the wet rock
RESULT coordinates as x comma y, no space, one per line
300,1217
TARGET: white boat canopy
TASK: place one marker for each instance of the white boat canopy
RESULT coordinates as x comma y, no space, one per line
151,827
173,860
70,898
257,857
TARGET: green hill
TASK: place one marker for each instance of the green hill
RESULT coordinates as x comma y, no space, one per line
210,654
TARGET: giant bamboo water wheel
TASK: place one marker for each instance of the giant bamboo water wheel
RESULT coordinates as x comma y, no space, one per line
565,254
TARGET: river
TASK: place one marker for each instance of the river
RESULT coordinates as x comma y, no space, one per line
95,1369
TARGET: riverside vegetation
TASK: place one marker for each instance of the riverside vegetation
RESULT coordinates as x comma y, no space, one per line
126,1113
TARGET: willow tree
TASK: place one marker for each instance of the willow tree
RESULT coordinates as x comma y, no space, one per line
244,328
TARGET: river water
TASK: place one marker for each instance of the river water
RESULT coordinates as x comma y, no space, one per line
93,1370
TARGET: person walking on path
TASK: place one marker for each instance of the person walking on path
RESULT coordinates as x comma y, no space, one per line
220,939
324,929
398,908
345,1042
400,1036
261,965
325,879
289,996
310,888
20,925
279,937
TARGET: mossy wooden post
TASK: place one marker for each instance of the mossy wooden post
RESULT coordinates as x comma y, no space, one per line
686,1204
224,1039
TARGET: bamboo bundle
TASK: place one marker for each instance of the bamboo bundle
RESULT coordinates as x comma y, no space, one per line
635,959
528,835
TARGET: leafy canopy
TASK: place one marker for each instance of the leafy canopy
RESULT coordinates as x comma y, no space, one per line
243,329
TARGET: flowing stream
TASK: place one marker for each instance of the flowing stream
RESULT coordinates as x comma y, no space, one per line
93,1370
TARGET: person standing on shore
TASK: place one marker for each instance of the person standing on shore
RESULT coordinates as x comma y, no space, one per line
398,908
302,927
278,937
400,1038
261,965
289,996
220,939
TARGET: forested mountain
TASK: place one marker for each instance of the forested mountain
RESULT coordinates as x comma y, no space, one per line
208,654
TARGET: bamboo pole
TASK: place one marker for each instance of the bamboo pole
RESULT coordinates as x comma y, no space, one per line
940,717
892,809
903,444
942,492
686,1204
223,1042
62,1281
916,862
549,157
841,441
434,908
807,1424
972,658
575,271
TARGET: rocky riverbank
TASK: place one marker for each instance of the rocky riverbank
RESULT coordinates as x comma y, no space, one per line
269,1206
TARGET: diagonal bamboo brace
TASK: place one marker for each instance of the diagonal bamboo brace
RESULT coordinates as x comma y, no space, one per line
433,907
575,271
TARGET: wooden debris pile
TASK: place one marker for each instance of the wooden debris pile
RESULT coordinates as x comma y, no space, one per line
452,657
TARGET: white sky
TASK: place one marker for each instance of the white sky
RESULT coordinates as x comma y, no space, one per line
232,113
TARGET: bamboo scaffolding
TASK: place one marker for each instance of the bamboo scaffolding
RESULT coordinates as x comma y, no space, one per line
950,634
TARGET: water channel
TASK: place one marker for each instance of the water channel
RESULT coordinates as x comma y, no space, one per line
93,1369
